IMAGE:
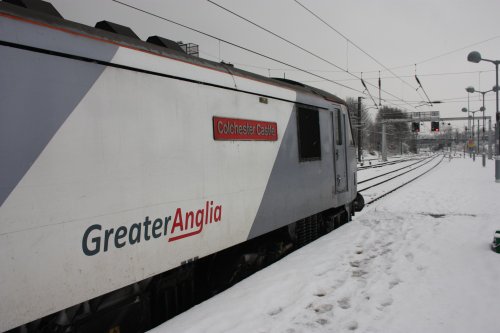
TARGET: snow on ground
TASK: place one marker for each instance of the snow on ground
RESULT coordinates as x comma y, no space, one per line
416,261
402,173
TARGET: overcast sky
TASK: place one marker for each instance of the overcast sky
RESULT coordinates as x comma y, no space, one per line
397,33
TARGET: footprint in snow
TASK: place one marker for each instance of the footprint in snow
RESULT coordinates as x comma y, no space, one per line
323,308
394,283
344,303
385,303
359,273
421,268
352,325
322,321
355,263
274,312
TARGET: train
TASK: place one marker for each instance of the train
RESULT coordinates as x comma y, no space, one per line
137,179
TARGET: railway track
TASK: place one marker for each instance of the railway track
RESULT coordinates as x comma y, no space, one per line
413,167
396,170
383,164
381,186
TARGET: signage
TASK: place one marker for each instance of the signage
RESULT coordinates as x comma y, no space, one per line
183,224
425,116
244,129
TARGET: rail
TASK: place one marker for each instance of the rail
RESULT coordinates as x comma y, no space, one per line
405,183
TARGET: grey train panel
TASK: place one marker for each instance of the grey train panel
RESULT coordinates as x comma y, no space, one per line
296,189
30,114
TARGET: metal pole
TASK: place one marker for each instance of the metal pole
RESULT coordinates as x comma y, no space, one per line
498,111
416,142
468,116
478,143
483,156
497,161
359,129
384,144
484,128
490,141
472,137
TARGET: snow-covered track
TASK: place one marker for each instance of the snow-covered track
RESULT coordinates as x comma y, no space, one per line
406,182
383,164
428,159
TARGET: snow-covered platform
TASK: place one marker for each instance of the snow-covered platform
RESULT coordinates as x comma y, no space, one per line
417,261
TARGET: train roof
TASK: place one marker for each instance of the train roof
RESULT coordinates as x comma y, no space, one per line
45,13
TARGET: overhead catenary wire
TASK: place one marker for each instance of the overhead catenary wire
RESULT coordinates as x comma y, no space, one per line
449,100
368,91
300,47
418,62
237,46
354,44
421,87
449,52
409,76
275,35
457,50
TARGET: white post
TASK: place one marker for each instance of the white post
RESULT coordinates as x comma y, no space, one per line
384,144
490,141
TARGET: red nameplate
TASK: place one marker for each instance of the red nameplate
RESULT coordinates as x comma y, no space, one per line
244,129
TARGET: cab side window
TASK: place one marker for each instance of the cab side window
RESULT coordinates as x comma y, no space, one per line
308,134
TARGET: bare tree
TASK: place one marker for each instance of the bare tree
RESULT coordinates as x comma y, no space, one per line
398,133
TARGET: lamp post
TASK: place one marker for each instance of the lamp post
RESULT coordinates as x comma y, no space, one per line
472,136
469,90
475,146
483,109
475,57
467,129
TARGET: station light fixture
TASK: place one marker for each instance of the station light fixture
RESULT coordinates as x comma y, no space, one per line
476,57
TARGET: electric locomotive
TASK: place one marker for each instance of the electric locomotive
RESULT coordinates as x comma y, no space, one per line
134,174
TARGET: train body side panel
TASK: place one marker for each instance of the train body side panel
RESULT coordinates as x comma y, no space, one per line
136,147
111,174
297,189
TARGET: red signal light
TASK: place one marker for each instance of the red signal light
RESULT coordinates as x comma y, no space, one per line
435,126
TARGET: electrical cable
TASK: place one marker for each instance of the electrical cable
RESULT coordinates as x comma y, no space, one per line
420,86
354,44
298,46
275,35
426,60
448,52
459,49
237,46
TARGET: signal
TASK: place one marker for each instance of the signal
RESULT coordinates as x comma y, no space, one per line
435,126
415,127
